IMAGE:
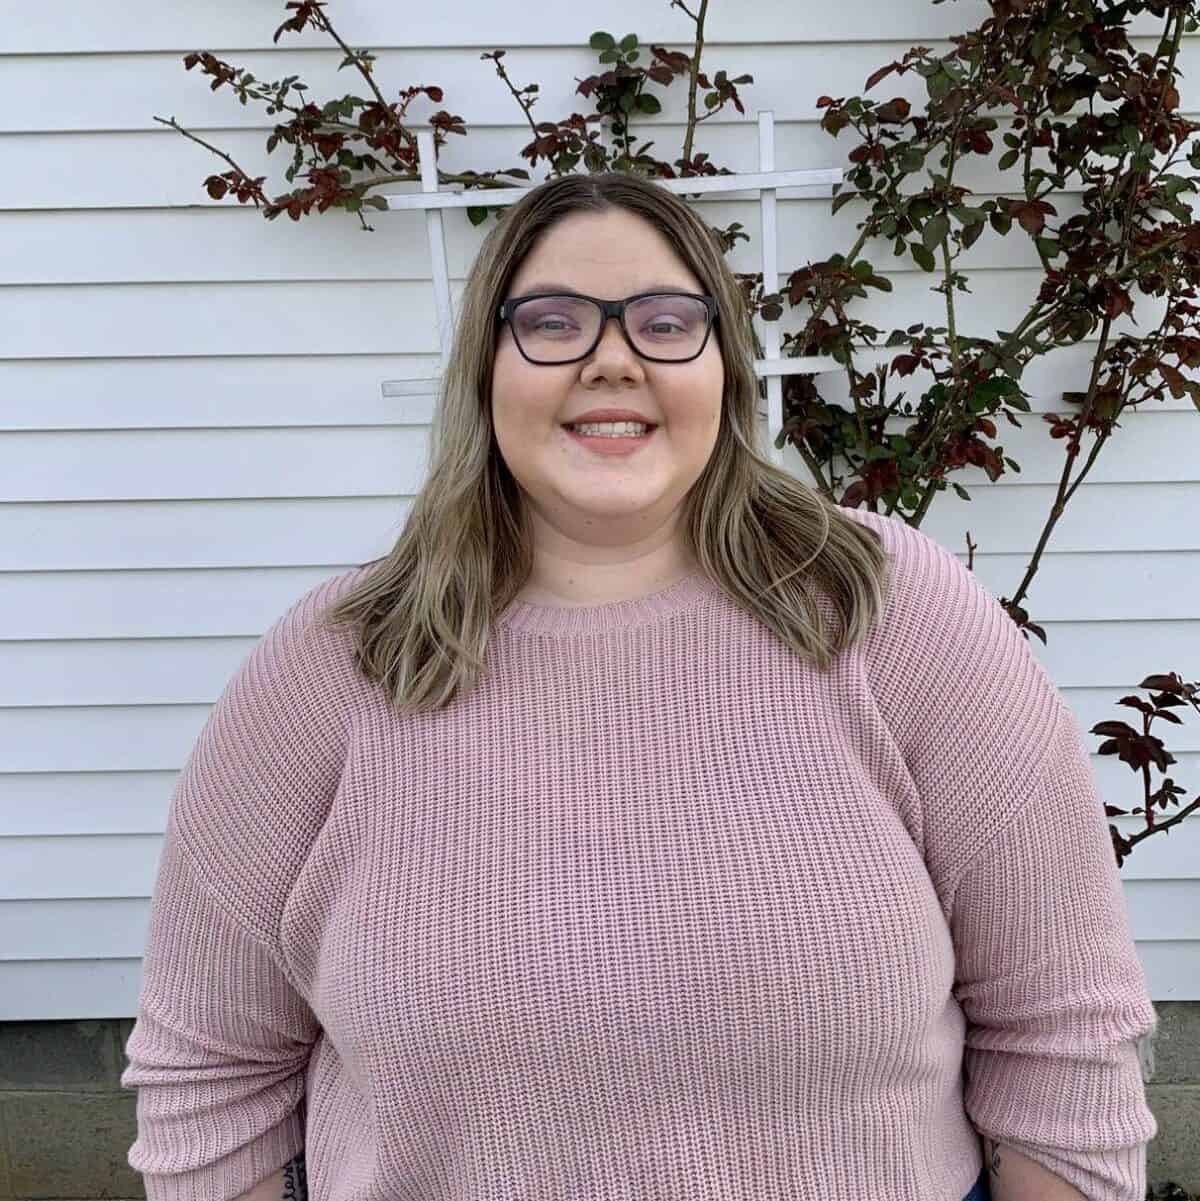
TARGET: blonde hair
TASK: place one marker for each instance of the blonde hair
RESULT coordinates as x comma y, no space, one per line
779,549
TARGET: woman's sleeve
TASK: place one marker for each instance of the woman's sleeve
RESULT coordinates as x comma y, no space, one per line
223,1032
1014,836
1050,982
218,1051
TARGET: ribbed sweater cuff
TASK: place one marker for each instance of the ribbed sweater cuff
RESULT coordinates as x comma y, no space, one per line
237,1172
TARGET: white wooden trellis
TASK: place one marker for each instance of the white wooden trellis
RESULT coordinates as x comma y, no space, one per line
766,181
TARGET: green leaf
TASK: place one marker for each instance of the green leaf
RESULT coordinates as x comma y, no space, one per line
711,100
919,208
938,84
968,215
961,491
477,214
601,41
648,104
629,42
1008,158
970,235
936,228
923,256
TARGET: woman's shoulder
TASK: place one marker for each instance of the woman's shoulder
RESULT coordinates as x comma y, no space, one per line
303,648
936,610
261,774
956,678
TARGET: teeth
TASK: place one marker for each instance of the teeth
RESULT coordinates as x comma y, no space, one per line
615,429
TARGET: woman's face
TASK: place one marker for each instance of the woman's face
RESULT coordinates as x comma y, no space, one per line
584,505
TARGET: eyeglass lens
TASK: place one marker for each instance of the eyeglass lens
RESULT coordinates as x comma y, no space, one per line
558,328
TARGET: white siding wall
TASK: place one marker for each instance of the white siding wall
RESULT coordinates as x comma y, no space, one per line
194,431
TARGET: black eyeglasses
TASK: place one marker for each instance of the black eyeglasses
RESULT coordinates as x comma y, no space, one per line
551,328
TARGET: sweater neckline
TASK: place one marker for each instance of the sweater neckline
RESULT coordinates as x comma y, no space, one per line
526,617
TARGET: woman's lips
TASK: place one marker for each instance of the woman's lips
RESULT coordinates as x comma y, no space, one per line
625,445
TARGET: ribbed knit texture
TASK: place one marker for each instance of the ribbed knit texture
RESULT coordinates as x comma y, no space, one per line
657,912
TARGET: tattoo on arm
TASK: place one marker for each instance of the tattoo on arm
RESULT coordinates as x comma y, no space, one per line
991,1152
295,1180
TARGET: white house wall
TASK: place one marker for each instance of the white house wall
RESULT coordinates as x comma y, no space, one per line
194,431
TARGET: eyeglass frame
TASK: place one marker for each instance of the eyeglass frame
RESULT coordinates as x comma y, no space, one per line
610,308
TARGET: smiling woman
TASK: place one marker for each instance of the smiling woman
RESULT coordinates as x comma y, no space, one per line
599,298
606,519
643,825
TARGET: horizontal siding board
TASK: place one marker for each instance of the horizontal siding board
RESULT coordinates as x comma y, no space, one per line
162,603
160,168
180,671
1098,517
224,244
135,802
85,802
96,866
231,392
149,320
167,465
147,26
238,602
78,26
365,316
50,928
218,533
159,737
46,990
107,535
125,91
1093,587
266,392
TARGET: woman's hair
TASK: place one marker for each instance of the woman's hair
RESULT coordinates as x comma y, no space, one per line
422,616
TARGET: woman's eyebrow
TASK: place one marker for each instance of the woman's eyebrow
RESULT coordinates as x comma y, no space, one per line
555,286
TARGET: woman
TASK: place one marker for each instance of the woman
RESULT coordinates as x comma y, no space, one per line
643,825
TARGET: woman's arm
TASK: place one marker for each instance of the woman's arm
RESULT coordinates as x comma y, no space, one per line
1011,1177
289,1183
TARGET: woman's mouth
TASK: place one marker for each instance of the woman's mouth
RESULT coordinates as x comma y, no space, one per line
621,441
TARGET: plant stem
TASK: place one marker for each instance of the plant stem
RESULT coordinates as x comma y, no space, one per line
698,47
220,153
517,97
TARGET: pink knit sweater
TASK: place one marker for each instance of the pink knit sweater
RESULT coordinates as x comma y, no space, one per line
656,913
